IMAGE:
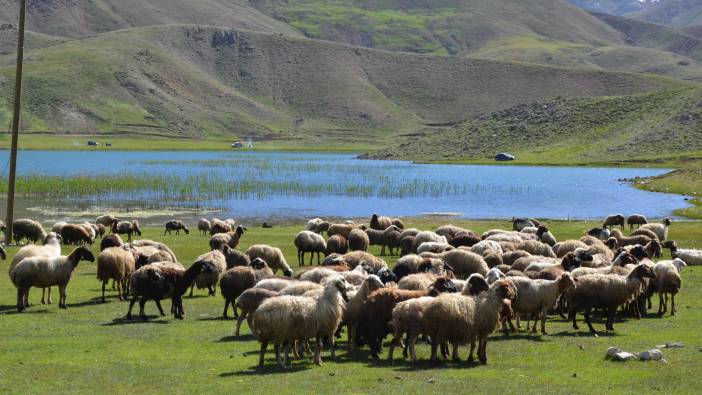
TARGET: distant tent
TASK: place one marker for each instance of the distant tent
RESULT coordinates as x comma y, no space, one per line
504,157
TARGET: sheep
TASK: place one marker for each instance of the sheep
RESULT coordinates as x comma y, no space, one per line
58,226
313,223
511,237
520,223
231,222
105,220
382,237
153,249
564,247
417,281
424,237
462,319
218,265
605,291
343,229
233,283
537,297
355,305
355,258
407,265
100,229
508,258
110,241
450,231
377,311
547,271
126,227
358,240
407,318
3,254
380,223
204,226
219,226
398,222
614,220
308,241
492,275
29,229
623,241
230,238
276,284
660,229
536,248
43,272
482,247
543,234
248,303
91,229
50,249
493,259
668,282
75,234
297,318
336,244
601,233
116,264
156,282
465,239
689,256
464,263
645,232
176,225
636,219
272,256
299,288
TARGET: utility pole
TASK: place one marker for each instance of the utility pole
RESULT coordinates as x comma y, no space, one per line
15,123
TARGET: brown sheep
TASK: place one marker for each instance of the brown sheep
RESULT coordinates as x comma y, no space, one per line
337,244
75,234
110,241
380,223
358,240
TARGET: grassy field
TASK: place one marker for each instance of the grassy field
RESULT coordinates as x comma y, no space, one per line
684,181
91,347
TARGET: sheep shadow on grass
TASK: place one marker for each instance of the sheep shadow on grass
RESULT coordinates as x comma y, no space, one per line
215,318
151,319
522,335
12,310
584,333
271,367
232,338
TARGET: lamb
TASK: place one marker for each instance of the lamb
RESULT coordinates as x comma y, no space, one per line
126,227
100,229
465,263
536,248
27,229
689,256
382,237
601,233
219,226
630,240
336,244
156,282
358,240
606,291
217,264
424,237
117,264
380,223
230,238
176,225
272,256
377,311
76,234
461,319
110,241
204,226
308,241
239,279
297,318
44,272
248,303
343,229
355,305
668,282
543,234
105,220
636,219
614,220
408,318
661,229
50,249
537,297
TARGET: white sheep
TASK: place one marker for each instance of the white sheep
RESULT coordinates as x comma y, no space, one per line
435,247
117,264
273,256
308,241
45,272
464,263
668,281
274,284
689,256
299,288
487,246
537,297
204,226
426,236
288,319
408,318
660,229
50,249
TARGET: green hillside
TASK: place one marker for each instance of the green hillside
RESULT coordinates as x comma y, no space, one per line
673,12
193,81
660,126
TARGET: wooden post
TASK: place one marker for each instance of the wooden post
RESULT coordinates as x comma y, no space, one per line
15,123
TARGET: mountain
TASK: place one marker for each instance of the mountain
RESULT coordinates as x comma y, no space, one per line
615,7
678,13
196,81
651,126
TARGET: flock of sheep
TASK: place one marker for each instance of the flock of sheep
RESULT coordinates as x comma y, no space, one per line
451,285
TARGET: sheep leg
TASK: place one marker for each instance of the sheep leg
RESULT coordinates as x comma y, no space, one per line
62,296
543,322
412,342
276,347
318,351
192,288
454,353
587,320
332,345
393,344
311,258
262,353
611,312
572,315
300,258
104,284
482,351
160,309
434,347
142,302
351,328
471,358
286,360
43,293
319,259
672,303
227,301
125,290
212,290
660,303
20,299
239,321
131,305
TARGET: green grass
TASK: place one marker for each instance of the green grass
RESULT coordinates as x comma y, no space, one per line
90,347
685,181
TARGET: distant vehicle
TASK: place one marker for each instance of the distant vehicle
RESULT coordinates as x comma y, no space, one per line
504,157
237,144
108,144
92,143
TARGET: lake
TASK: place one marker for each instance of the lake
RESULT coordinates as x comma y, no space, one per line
295,185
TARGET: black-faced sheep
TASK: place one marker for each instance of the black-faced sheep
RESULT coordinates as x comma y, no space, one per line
614,220
636,219
287,319
126,228
46,272
175,225
308,241
380,223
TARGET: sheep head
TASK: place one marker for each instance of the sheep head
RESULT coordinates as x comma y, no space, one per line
476,284
340,285
642,271
653,248
670,244
443,284
566,282
667,221
258,264
386,276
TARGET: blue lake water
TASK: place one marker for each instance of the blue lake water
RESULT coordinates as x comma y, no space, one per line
286,185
